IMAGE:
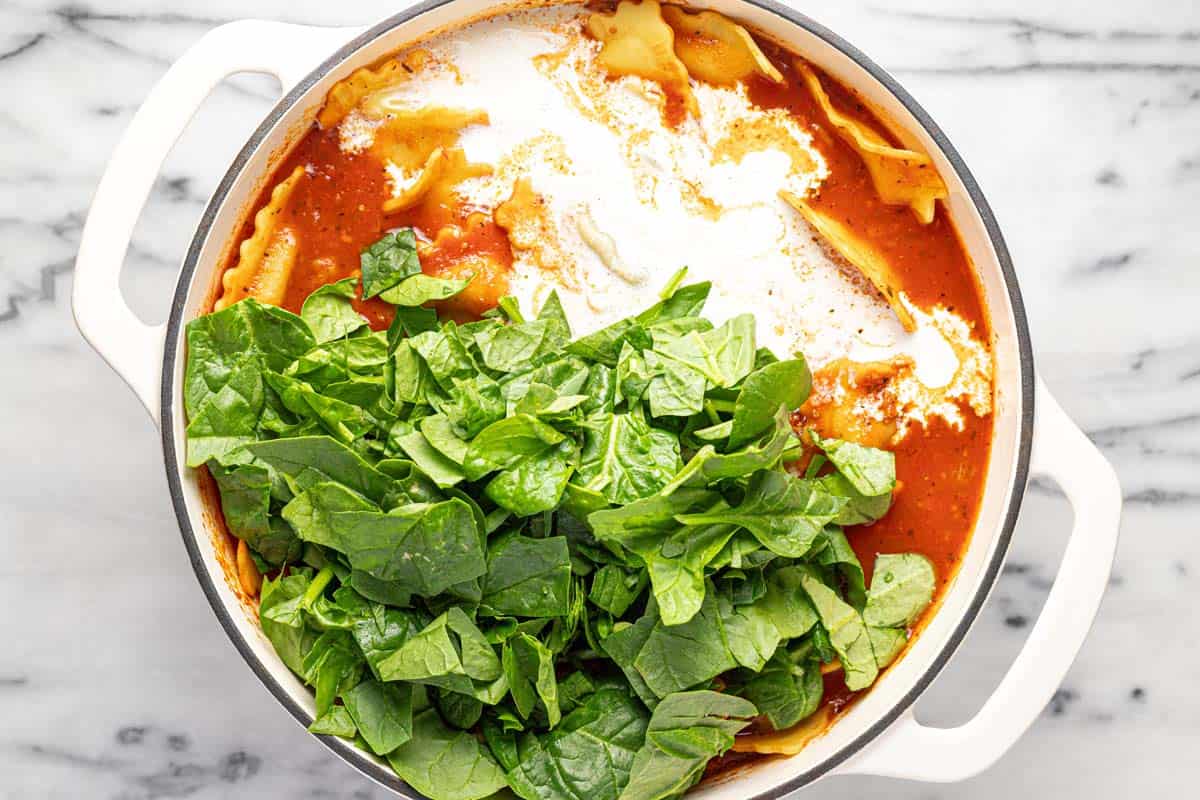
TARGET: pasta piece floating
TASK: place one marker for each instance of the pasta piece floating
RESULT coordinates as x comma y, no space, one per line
856,401
266,258
412,194
443,170
636,41
716,49
248,574
786,742
901,177
408,137
861,255
346,94
526,218
421,142
476,248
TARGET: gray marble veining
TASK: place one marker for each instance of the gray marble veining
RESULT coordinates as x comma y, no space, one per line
1081,120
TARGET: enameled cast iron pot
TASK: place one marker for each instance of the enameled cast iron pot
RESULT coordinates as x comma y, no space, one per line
878,735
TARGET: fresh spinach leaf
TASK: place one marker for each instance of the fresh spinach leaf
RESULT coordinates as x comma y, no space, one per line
587,756
527,577
343,421
847,633
389,261
458,710
784,513
418,289
439,430
332,666
615,588
708,465
859,509
307,460
382,712
887,643
529,668
787,690
441,469
246,505
426,547
686,731
514,347
335,722
445,354
341,360
223,390
534,461
790,610
292,641
446,764
679,657
723,355
901,588
870,470
451,653
329,312
781,383
624,458
573,689
750,631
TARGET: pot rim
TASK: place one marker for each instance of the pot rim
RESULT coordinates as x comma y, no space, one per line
347,750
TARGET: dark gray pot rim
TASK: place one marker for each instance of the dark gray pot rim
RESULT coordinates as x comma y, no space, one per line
175,324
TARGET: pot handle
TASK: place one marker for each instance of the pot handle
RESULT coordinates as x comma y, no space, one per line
914,751
131,347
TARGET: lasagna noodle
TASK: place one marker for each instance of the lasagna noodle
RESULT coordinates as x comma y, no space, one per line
901,177
715,49
266,258
636,41
861,255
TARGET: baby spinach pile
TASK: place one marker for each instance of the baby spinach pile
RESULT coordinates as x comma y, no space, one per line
506,557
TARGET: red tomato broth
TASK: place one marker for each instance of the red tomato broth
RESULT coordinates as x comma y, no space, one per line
337,210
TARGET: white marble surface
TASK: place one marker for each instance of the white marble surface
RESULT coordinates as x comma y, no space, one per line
1081,121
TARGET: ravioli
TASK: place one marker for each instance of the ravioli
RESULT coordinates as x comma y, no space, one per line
475,249
443,169
636,41
715,49
266,259
859,252
422,142
526,218
900,176
349,93
346,94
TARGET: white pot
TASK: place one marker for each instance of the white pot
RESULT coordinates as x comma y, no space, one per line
878,735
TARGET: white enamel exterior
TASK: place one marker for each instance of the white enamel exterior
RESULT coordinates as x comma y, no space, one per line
1061,452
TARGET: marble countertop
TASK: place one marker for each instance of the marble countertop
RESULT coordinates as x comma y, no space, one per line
1081,120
